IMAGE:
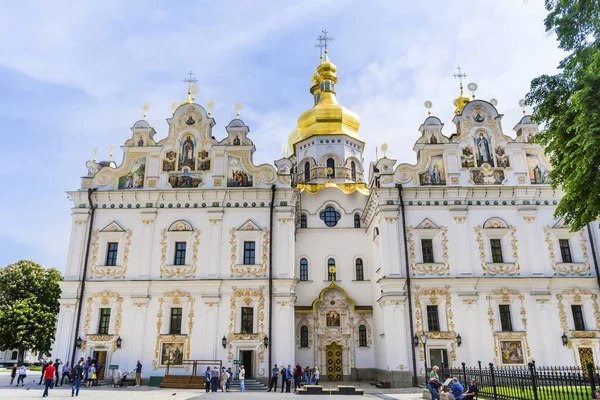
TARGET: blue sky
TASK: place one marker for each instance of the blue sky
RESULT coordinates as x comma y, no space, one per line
74,75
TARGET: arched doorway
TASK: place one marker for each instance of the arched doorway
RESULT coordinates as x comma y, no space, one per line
333,355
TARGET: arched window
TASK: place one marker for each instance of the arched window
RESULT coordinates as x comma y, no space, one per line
304,336
360,272
356,220
330,276
353,168
303,221
330,216
14,355
331,164
306,171
362,336
303,269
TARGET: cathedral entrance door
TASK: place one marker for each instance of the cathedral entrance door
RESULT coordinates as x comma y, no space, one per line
586,356
246,357
101,357
333,354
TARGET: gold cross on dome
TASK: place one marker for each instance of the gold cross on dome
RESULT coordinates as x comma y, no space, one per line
190,80
323,39
460,75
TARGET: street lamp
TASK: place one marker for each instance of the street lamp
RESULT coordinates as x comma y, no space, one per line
119,342
424,341
78,342
458,340
224,341
415,340
565,339
266,341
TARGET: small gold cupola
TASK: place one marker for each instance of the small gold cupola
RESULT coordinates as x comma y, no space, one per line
462,100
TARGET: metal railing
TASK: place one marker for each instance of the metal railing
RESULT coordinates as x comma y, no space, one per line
529,382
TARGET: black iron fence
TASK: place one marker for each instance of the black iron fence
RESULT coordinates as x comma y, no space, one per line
529,382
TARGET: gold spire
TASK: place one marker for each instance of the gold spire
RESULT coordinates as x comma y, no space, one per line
192,88
462,100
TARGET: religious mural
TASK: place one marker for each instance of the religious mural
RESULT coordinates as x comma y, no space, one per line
169,162
467,159
537,173
172,354
436,173
487,176
512,352
502,157
203,161
186,156
237,176
483,144
333,319
134,179
185,180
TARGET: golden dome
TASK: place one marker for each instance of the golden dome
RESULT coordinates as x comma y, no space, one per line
461,101
327,117
292,139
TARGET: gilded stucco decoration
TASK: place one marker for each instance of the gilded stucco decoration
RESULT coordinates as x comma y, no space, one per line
429,268
175,297
433,295
256,270
180,271
102,271
573,268
247,297
263,173
105,298
507,296
506,268
576,296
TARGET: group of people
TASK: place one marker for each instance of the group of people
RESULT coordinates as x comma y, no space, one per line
298,375
51,375
213,378
453,391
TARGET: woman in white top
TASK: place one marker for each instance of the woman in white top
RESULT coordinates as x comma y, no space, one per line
22,375
316,375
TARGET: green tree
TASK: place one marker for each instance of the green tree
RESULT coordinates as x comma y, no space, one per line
568,107
29,307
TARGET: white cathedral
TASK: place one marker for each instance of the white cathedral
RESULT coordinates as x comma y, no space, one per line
187,250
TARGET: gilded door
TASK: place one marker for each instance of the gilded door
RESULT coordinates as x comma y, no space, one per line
586,356
334,362
101,357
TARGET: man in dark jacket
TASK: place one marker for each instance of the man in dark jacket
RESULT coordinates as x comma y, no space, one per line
77,376
43,370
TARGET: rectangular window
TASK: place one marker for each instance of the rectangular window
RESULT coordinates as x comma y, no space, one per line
111,254
104,321
176,316
505,319
249,250
496,251
433,319
578,320
565,250
427,248
247,320
180,253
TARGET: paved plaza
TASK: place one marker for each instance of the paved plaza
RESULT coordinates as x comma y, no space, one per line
32,390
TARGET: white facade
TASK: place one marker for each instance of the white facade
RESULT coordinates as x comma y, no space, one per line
464,207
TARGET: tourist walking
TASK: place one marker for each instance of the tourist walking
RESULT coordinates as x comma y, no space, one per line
283,375
207,377
316,375
66,371
22,375
44,365
86,367
288,378
77,377
57,365
230,379
242,378
297,376
273,383
224,379
138,374
214,379
307,373
91,375
48,376
13,374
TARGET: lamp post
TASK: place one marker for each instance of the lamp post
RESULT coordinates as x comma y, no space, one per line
565,339
458,340
79,342
119,342
424,341
224,341
266,341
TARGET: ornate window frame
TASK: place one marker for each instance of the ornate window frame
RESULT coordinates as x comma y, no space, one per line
304,322
165,302
246,297
508,296
249,232
179,231
363,321
111,233
439,234
445,337
589,301
91,320
497,228
561,231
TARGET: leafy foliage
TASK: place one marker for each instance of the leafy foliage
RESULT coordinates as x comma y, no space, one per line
568,105
29,307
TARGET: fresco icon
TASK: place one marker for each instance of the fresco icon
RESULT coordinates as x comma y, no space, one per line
435,173
134,179
237,176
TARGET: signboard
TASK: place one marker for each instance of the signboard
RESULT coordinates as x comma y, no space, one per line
237,362
113,367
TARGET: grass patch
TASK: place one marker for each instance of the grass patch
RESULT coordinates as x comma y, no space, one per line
544,393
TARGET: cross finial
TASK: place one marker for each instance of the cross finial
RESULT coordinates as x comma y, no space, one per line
190,80
460,75
323,39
